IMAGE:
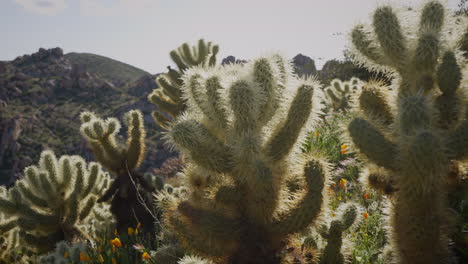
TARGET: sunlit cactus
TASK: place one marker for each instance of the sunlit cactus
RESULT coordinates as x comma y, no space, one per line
414,145
168,97
242,135
54,200
129,189
339,94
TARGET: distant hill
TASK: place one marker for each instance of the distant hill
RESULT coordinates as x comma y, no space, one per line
118,72
42,95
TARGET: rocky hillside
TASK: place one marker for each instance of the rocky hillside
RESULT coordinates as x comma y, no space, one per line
42,95
118,72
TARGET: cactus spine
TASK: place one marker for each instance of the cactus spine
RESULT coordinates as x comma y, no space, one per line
412,148
168,97
240,135
122,159
53,201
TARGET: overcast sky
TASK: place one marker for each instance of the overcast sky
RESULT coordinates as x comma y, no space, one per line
142,32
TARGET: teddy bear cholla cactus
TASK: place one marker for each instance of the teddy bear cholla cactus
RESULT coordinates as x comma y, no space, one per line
241,135
130,202
339,94
54,200
413,147
168,97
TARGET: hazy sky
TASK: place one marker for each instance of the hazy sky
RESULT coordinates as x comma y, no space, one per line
142,32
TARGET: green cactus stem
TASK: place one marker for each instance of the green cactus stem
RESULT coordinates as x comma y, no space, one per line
54,200
415,145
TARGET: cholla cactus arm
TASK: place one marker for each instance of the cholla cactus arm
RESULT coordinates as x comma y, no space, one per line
286,135
364,45
237,148
449,104
215,106
389,34
159,99
374,105
101,134
372,143
425,135
309,208
136,139
168,97
203,147
269,85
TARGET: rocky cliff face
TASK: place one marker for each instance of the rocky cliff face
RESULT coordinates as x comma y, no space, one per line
304,66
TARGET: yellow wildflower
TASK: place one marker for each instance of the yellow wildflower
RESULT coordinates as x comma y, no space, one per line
130,231
343,183
115,232
136,232
139,225
344,149
365,215
145,256
101,258
116,242
316,133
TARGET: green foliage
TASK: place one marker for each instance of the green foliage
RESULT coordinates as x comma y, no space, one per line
168,97
236,172
416,145
326,138
54,201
